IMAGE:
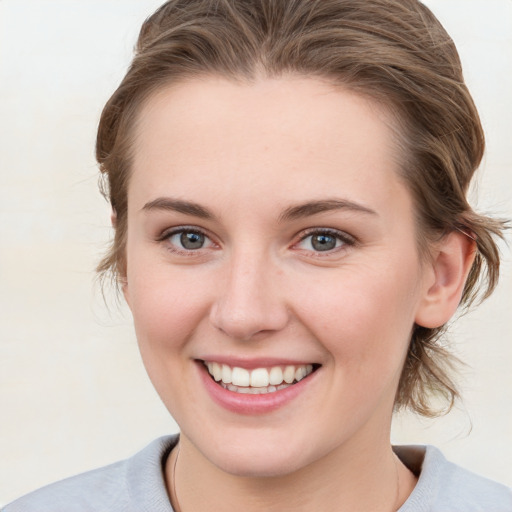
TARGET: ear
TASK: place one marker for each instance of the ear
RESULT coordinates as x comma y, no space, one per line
121,279
126,293
113,218
452,261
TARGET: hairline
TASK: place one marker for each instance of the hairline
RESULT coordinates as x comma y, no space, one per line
392,116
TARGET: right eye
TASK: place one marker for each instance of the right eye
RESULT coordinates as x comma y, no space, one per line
187,240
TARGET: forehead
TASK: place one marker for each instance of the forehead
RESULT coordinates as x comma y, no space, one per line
300,136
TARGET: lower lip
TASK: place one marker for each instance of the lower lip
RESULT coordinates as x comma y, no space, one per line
252,404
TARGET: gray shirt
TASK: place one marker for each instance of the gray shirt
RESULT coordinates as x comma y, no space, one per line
138,485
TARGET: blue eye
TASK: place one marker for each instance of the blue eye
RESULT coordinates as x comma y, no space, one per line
192,240
188,240
324,241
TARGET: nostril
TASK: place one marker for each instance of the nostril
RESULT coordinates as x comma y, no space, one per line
249,301
246,323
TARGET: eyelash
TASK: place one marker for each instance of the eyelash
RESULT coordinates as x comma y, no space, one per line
345,239
167,235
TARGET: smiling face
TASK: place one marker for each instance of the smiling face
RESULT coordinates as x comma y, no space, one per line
270,238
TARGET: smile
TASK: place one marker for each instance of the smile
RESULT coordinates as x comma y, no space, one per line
258,381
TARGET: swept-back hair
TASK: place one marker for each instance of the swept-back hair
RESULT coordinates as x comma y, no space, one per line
393,51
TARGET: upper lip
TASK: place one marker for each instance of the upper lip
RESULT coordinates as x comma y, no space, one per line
252,363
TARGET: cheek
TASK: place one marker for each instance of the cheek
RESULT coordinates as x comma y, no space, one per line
166,305
366,316
167,310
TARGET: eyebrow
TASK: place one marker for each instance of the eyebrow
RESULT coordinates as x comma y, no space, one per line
314,207
177,205
291,213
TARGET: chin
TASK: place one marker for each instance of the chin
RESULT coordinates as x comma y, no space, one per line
259,466
258,459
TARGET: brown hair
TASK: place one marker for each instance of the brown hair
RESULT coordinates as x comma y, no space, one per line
394,51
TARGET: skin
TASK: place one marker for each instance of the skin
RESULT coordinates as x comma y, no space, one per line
247,153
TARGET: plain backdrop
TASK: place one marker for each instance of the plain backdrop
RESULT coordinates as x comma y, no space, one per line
73,392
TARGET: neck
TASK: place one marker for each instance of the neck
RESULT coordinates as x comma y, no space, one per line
356,481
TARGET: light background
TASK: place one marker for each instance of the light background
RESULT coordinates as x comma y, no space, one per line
73,392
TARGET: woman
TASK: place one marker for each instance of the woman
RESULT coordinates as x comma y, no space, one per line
288,187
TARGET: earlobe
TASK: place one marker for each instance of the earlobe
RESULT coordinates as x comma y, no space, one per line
123,284
113,218
451,265
122,281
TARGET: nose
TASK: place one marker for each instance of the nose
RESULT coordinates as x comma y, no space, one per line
250,300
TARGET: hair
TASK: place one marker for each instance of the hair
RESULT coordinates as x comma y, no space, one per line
393,51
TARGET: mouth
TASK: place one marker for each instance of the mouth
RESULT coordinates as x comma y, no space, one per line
258,381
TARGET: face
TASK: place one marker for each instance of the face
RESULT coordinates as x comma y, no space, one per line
272,269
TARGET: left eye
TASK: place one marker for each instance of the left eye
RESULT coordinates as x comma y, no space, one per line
322,241
189,240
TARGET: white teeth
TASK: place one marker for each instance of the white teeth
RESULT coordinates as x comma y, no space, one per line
300,373
240,377
226,374
254,391
275,376
259,380
289,374
216,371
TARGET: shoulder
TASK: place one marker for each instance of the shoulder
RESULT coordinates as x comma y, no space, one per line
98,488
460,486
126,486
445,487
